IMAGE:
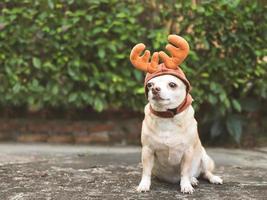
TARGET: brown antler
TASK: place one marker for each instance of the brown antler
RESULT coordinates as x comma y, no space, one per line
179,50
142,62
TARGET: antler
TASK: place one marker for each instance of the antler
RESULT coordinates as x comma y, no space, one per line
142,62
179,50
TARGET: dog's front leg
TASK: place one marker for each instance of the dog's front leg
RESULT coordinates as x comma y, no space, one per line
186,164
147,162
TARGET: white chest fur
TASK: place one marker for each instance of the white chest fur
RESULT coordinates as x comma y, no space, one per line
169,137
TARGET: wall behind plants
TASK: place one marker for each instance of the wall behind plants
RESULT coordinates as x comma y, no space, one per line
75,54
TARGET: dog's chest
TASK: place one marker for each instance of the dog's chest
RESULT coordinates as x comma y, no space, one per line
169,138
169,145
166,134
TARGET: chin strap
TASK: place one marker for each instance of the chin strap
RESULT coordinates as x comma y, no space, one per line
170,113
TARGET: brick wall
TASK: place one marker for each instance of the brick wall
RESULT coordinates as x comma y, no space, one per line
123,131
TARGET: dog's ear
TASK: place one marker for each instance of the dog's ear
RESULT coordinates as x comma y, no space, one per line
178,48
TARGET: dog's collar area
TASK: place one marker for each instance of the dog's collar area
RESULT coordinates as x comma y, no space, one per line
170,113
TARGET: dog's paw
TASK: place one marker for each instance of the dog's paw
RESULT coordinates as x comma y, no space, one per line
143,186
194,181
187,188
216,180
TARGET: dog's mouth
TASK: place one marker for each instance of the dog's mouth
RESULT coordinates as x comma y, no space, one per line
159,98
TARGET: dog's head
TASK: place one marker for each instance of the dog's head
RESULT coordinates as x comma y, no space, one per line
166,85
166,91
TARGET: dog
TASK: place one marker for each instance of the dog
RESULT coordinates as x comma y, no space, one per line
171,148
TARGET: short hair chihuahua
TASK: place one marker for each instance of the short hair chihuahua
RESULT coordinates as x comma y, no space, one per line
171,148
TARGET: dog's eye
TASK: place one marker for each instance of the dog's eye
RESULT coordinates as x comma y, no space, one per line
149,85
172,85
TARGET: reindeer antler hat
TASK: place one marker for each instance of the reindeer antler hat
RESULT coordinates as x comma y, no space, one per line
179,50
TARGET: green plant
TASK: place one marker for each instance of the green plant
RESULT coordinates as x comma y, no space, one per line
60,53
65,53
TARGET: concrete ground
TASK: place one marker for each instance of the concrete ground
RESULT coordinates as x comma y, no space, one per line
42,171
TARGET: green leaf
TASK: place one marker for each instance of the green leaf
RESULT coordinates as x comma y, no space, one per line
36,62
236,105
16,88
140,90
72,97
51,4
98,105
101,53
55,90
138,75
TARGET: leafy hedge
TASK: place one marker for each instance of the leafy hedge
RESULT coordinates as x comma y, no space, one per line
75,54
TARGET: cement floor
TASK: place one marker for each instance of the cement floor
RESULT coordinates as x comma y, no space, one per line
65,172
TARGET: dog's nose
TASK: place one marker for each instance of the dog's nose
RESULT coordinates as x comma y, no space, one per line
155,90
